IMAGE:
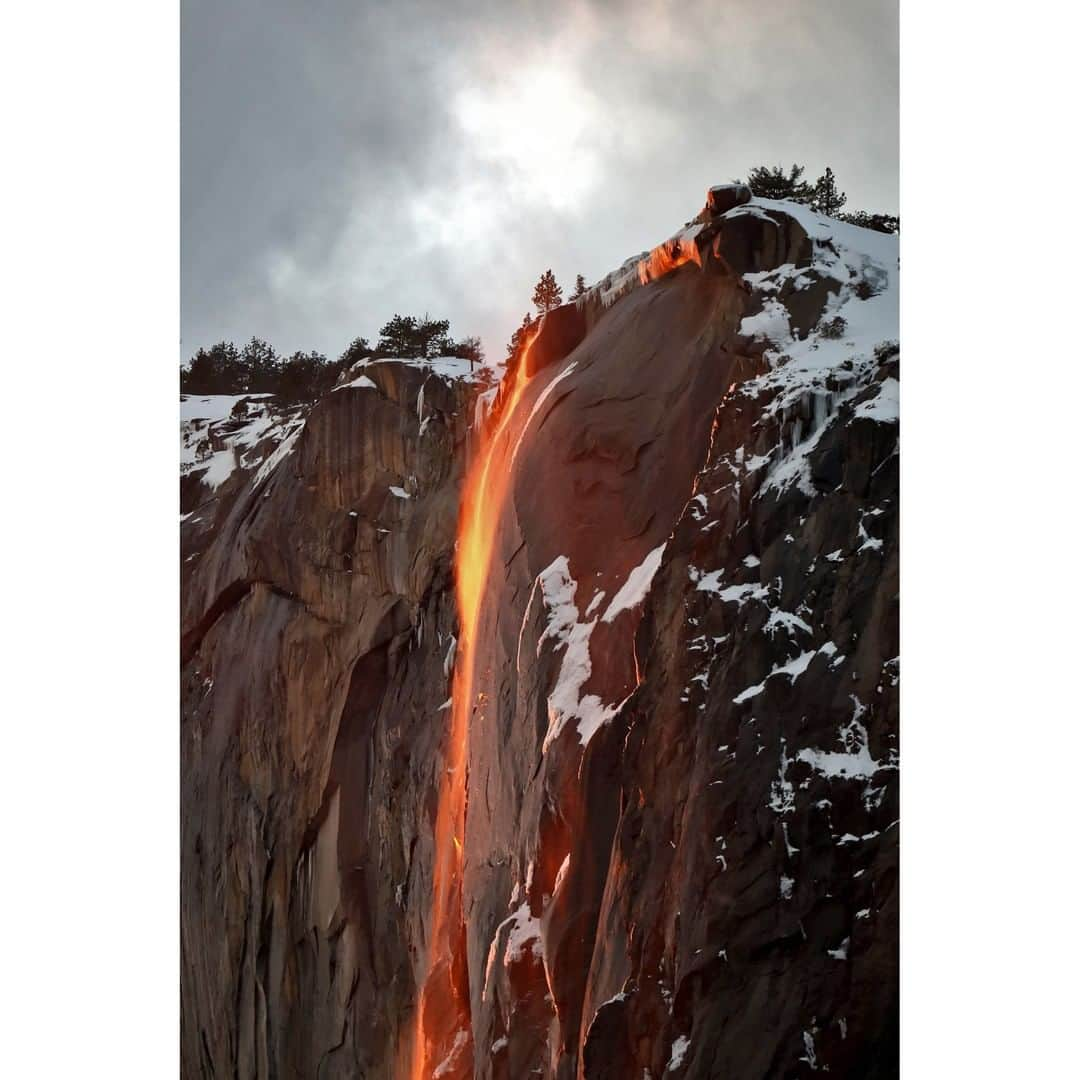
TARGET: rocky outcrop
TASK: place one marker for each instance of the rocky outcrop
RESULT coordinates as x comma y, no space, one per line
724,197
679,853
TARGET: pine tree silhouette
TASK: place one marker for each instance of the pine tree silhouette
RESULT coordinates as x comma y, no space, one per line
774,183
548,293
827,198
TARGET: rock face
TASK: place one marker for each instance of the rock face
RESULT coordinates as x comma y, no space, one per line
679,854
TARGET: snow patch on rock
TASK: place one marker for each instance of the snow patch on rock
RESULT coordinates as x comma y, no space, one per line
884,406
836,360
571,636
637,585
854,761
223,433
678,1053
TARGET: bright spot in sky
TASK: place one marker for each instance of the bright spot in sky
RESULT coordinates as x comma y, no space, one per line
541,125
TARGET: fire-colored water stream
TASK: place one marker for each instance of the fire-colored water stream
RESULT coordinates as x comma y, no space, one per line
442,1019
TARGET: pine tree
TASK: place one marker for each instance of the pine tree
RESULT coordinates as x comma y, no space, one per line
406,336
257,369
827,199
433,337
397,337
258,365
469,348
358,349
547,294
775,183
579,287
517,339
886,223
298,379
213,371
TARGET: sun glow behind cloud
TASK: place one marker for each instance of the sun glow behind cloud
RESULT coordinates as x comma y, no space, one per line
543,127
532,141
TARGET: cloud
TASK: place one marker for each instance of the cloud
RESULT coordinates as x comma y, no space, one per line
342,161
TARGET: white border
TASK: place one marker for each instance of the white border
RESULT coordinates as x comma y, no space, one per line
90,766
989,539
90,265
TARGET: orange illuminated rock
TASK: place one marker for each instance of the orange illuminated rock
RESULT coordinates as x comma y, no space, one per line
670,255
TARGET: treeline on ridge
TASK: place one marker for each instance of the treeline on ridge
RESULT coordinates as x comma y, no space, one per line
822,196
256,368
766,182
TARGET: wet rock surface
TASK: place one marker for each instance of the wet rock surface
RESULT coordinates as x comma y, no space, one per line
680,849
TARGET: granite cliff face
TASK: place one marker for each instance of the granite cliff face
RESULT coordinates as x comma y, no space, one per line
677,849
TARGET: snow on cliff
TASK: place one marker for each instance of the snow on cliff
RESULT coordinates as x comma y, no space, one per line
817,370
220,433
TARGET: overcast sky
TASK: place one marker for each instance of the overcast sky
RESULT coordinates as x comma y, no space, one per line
343,160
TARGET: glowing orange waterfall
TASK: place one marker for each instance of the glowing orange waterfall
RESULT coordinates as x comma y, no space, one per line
442,1020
